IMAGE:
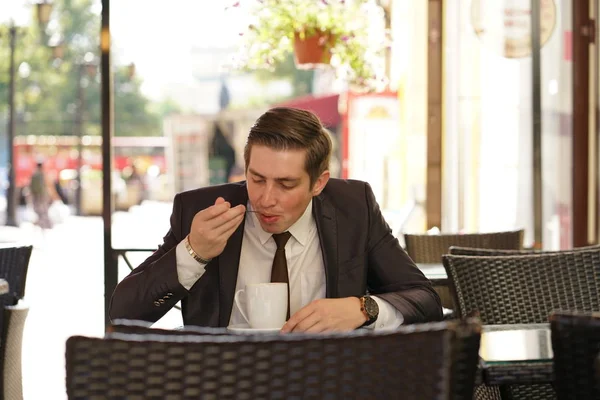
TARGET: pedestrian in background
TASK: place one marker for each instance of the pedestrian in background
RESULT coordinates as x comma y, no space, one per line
41,197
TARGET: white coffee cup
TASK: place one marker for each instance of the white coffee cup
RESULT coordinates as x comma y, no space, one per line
266,305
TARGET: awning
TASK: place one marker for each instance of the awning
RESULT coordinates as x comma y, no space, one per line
325,107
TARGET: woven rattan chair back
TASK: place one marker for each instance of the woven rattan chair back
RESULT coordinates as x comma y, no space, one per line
430,248
339,366
470,251
14,262
576,344
524,289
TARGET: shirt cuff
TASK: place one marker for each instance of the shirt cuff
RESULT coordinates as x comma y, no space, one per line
188,269
389,317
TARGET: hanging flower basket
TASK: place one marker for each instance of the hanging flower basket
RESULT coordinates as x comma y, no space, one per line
313,51
314,31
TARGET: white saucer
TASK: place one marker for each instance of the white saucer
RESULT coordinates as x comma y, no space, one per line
245,328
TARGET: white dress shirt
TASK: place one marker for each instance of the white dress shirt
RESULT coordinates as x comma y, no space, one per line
306,270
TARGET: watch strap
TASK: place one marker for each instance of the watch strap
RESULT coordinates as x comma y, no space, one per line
195,255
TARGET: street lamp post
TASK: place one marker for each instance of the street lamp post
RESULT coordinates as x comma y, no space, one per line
44,10
11,219
79,134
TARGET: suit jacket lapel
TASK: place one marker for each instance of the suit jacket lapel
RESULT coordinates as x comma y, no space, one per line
229,261
325,218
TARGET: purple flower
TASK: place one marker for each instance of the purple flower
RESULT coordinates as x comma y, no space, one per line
236,4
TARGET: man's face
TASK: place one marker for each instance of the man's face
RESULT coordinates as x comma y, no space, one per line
279,186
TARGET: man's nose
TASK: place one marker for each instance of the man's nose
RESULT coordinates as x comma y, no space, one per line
268,198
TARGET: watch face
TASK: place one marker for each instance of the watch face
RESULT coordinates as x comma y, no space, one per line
371,307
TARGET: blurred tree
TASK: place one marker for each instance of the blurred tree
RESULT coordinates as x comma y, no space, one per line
133,111
47,97
166,107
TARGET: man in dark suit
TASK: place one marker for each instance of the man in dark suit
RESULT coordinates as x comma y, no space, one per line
343,266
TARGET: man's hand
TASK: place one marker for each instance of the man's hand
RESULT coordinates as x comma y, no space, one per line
327,315
212,227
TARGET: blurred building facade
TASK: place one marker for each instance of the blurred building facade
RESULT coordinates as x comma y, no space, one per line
485,116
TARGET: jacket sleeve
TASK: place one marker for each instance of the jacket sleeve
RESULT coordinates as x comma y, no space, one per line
393,276
152,288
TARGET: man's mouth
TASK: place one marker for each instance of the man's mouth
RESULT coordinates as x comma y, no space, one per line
268,218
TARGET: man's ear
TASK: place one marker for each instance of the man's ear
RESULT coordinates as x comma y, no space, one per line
320,183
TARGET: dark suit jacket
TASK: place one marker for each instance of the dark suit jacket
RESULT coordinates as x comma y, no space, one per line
359,252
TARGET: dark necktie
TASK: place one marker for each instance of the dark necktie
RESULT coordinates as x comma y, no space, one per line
279,272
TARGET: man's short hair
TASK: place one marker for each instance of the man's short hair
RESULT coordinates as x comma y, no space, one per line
284,128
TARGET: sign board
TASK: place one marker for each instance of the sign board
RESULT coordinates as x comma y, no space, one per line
504,26
372,130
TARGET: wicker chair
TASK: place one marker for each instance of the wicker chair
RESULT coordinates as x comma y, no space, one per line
465,360
470,251
354,365
576,344
14,262
527,288
431,248
466,348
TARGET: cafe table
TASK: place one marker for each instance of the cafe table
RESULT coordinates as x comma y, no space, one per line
435,272
516,354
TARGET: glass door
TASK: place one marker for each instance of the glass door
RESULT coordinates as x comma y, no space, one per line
488,118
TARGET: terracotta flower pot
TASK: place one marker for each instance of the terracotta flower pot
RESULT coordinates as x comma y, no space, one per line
313,51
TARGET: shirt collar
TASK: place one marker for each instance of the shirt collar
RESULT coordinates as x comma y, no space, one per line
299,230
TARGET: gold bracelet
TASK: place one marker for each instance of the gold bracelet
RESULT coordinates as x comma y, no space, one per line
196,257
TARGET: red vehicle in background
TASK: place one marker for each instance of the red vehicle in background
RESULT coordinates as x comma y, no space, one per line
132,157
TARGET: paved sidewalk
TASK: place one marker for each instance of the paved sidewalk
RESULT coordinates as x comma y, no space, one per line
65,294
65,288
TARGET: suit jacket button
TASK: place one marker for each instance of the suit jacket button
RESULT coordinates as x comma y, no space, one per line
161,301
157,304
169,294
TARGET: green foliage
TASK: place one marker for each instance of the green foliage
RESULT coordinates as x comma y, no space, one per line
133,115
269,40
166,107
46,100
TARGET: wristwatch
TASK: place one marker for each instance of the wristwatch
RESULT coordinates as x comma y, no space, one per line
188,247
369,308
